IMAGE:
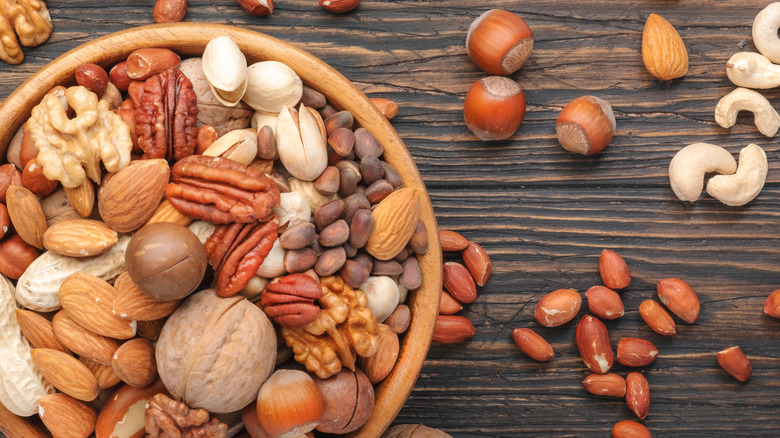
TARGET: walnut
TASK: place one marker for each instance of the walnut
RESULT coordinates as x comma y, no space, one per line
29,19
167,418
343,329
71,149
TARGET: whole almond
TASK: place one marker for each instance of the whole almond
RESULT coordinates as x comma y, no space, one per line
66,417
604,302
532,344
26,215
772,304
395,219
613,269
636,352
679,298
38,330
82,198
448,304
638,394
134,362
452,241
82,341
169,11
105,375
663,51
558,307
451,329
166,213
89,301
79,238
734,362
657,318
609,384
630,429
132,304
478,263
66,373
459,282
593,344
130,197
381,364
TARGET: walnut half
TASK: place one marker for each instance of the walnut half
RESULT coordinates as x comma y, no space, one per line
29,19
167,418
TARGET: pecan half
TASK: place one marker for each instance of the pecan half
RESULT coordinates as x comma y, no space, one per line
167,418
289,300
167,116
221,191
237,250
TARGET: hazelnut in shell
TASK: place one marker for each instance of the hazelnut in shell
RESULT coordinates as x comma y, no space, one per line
166,261
348,399
585,125
494,108
499,42
289,404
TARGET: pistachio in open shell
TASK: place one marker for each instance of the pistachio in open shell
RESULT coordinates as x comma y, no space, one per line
224,66
301,147
272,86
238,145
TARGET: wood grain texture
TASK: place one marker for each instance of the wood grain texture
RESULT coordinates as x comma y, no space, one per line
543,214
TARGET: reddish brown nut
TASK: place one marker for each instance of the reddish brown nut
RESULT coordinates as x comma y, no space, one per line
449,305
459,283
613,269
169,11
657,318
609,385
92,77
289,300
772,304
5,221
636,352
35,181
638,394
679,298
28,150
128,116
9,176
339,6
118,76
257,7
348,400
387,107
494,108
207,135
452,241
558,307
585,125
419,240
148,61
478,263
400,319
450,329
604,302
15,256
593,343
630,429
734,362
532,344
341,119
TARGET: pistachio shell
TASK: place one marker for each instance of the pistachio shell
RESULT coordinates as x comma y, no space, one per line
260,119
238,145
293,206
272,86
273,265
225,69
301,148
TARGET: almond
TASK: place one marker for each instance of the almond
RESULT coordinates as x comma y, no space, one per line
630,429
772,304
66,373
89,301
558,307
593,344
679,298
395,219
66,417
26,215
79,238
451,329
134,362
663,51
381,364
448,304
613,269
734,362
657,318
38,330
130,197
132,304
638,394
478,263
452,241
609,385
166,213
82,341
636,352
604,302
459,282
532,344
105,375
82,198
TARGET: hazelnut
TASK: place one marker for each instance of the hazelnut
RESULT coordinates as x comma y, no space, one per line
289,404
499,42
494,108
585,125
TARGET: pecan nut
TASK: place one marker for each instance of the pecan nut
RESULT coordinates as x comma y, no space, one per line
167,116
221,191
167,418
237,250
289,300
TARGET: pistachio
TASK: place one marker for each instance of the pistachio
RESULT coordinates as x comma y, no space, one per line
301,148
254,288
273,265
313,197
293,206
238,145
260,119
224,66
383,295
272,86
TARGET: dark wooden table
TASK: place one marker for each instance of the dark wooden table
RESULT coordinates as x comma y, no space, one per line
543,214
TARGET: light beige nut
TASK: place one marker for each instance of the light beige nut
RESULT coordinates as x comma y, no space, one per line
301,148
382,296
238,145
746,183
767,120
225,68
765,27
689,166
272,86
752,70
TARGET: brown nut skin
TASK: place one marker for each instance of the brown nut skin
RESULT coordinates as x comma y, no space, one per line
630,429
9,176
494,108
93,77
614,270
499,42
558,307
348,401
636,352
772,304
532,344
604,302
125,408
15,256
169,11
35,181
166,261
585,125
679,298
734,362
638,394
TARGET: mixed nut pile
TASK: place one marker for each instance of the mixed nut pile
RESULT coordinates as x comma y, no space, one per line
170,259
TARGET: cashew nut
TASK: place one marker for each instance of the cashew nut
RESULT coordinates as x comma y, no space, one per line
744,185
765,32
752,70
766,118
691,163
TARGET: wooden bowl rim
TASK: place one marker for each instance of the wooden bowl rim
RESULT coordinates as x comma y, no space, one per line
190,39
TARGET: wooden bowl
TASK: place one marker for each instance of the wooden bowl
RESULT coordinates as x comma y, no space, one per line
189,39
